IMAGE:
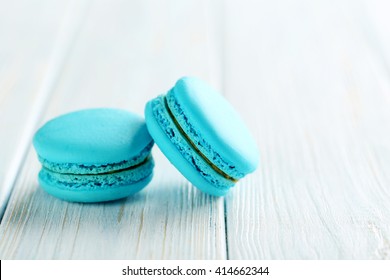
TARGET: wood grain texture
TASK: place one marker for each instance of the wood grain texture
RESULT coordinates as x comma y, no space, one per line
311,79
29,55
316,94
125,53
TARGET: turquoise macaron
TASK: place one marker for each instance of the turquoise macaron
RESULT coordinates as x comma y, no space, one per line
94,155
202,136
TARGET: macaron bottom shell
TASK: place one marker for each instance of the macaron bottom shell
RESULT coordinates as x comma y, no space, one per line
178,160
94,195
97,187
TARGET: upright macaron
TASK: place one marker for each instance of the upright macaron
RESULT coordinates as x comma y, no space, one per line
94,155
202,135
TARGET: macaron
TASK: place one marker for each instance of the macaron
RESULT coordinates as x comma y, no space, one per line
202,135
94,155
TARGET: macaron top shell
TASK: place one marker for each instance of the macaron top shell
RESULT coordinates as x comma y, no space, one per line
92,137
217,122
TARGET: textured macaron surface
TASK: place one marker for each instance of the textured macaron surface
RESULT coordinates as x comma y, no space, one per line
157,110
98,181
93,141
214,126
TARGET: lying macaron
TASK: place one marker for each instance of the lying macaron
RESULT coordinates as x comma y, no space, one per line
94,155
202,135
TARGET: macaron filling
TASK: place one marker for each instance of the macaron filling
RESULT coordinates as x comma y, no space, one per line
85,168
192,144
199,141
114,178
169,124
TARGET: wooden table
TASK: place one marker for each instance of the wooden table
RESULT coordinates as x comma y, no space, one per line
311,79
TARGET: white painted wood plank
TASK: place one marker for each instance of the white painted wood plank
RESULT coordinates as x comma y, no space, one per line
316,96
376,30
32,45
126,53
